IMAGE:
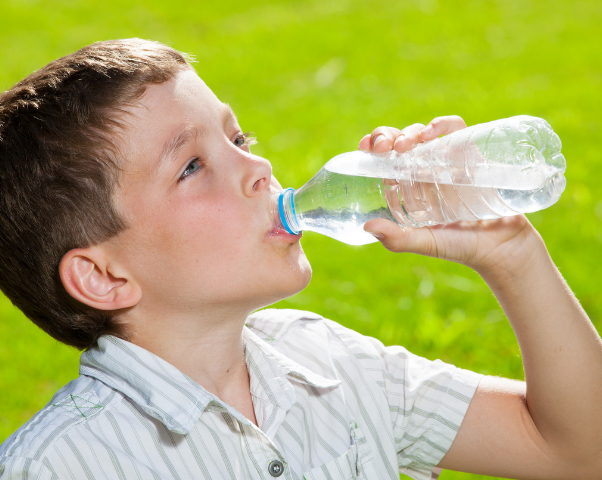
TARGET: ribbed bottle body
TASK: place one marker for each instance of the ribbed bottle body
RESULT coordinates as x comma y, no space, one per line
487,171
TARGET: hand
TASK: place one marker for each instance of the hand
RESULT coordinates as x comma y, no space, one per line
485,245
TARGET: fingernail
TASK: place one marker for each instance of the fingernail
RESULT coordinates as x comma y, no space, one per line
377,140
380,236
428,129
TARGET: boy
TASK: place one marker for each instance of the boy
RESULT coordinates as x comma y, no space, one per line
134,223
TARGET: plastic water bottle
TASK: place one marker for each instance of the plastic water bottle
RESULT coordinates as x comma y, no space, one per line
491,170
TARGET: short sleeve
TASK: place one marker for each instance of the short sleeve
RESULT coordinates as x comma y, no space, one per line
22,468
427,399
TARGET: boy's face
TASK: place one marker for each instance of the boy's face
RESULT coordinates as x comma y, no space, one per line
197,202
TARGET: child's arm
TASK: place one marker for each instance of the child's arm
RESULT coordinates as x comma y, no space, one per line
551,427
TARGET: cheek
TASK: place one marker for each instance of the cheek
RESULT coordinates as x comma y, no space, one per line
204,234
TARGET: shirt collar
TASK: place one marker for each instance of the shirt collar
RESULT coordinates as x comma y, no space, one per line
294,370
177,401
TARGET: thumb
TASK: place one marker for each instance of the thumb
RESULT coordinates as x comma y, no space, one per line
396,238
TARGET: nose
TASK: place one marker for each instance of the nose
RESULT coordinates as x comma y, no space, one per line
257,176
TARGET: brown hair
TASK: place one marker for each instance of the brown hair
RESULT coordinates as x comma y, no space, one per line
59,165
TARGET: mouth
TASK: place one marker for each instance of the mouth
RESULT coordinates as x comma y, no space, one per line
281,233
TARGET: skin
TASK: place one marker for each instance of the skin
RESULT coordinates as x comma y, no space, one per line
201,253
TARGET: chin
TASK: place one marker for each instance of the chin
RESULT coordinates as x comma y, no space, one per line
303,270
289,285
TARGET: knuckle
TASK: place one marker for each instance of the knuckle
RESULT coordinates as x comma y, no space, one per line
458,119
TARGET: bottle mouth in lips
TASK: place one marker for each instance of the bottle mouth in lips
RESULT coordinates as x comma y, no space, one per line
278,216
286,211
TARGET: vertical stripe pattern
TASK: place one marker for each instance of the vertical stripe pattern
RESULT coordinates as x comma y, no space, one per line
330,404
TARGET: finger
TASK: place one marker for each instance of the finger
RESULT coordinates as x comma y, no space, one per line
382,139
365,143
402,239
442,126
408,138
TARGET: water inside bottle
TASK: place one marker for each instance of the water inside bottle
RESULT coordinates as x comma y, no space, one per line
350,200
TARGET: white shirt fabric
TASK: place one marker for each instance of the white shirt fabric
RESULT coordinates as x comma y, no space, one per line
330,404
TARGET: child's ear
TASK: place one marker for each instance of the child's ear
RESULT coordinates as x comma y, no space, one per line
89,278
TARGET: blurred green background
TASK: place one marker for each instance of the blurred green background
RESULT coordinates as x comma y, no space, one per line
310,78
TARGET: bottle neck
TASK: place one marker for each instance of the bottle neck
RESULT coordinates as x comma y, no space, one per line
283,207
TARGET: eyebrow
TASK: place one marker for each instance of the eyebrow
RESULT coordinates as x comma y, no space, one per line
228,115
175,144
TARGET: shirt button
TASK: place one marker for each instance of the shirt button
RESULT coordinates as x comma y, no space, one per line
275,468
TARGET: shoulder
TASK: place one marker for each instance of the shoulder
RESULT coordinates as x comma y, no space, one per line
272,324
275,325
69,412
315,341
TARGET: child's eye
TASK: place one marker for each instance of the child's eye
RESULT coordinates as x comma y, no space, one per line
246,138
192,167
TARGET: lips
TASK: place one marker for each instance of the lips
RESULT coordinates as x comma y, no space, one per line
282,233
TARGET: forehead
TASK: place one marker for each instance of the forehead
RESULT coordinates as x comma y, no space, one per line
184,103
184,97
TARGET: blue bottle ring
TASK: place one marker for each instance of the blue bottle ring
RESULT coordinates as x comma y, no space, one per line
285,223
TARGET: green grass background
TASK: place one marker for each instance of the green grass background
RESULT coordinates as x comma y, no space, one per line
310,78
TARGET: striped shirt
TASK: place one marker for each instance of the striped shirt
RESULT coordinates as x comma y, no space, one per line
330,404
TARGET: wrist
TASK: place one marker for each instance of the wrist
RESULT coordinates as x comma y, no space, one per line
515,259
